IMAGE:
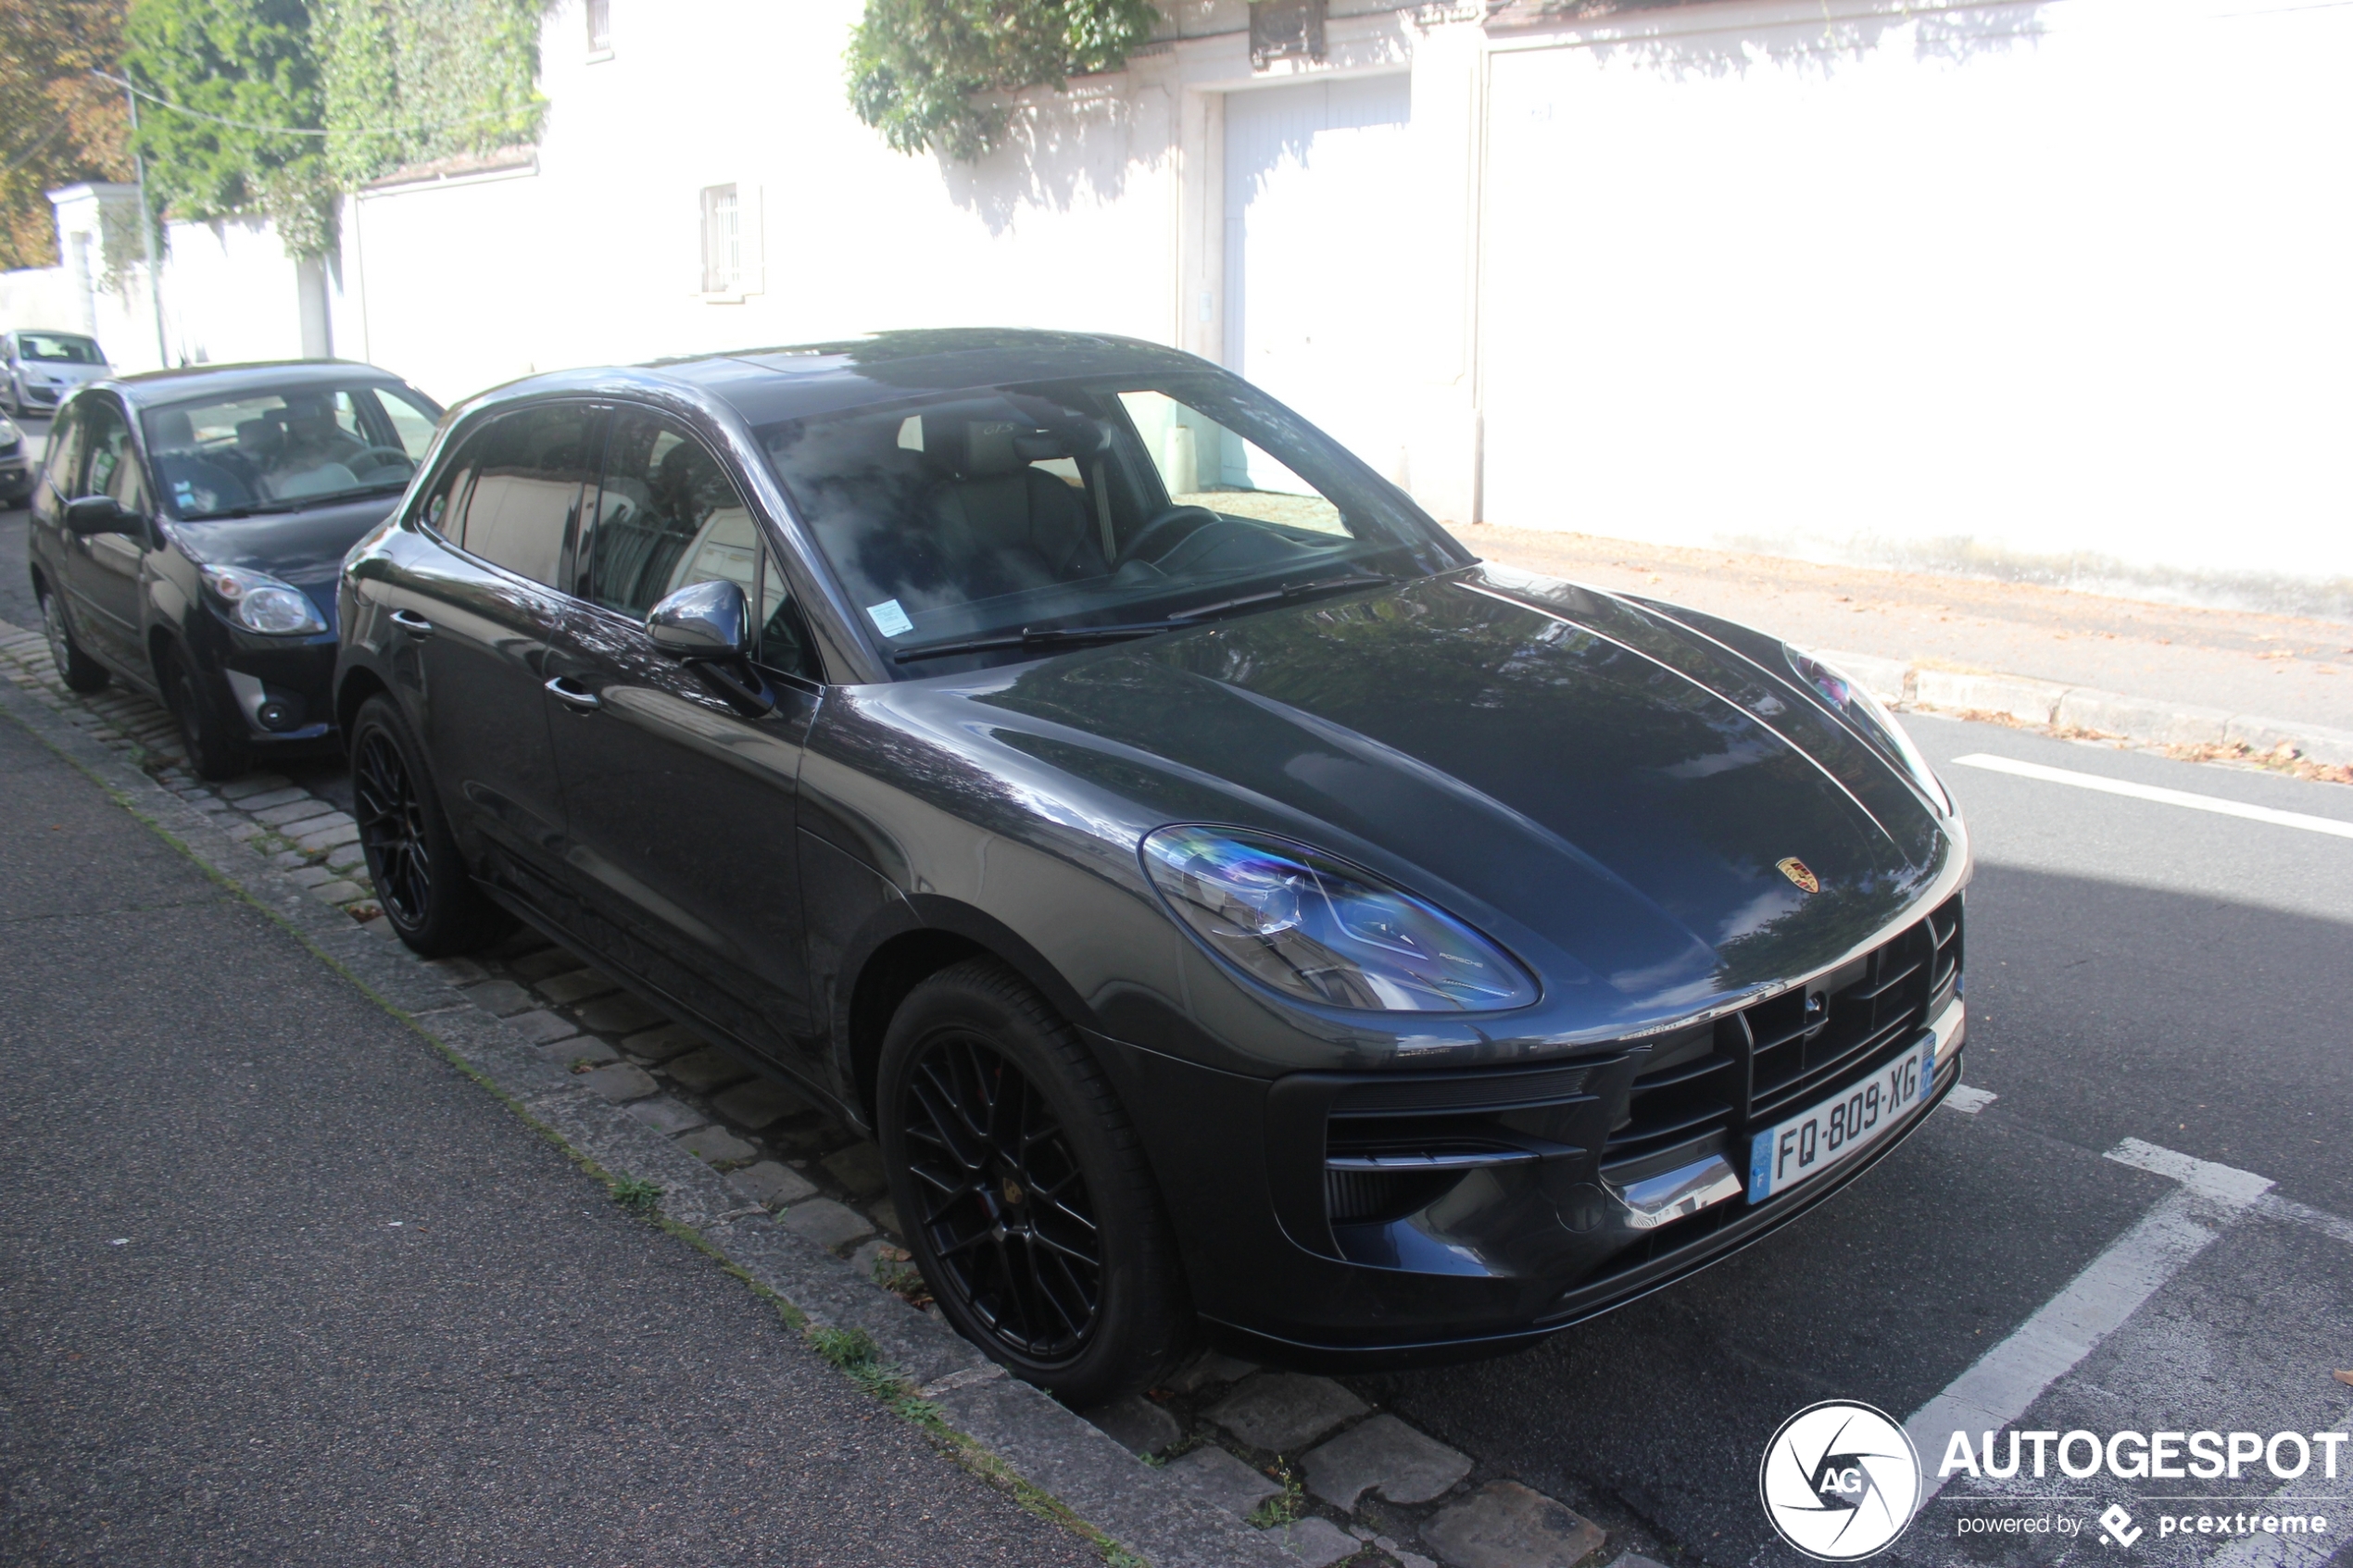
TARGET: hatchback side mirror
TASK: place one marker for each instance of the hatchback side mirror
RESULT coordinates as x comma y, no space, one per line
86,514
703,621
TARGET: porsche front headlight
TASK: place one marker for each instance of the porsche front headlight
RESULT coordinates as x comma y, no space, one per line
1324,930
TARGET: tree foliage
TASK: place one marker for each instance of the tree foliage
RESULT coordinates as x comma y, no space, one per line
328,94
935,73
409,82
59,124
250,61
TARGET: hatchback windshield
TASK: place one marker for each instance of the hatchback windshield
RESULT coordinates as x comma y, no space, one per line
971,526
274,451
59,348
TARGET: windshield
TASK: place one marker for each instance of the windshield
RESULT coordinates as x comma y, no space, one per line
59,349
277,451
1024,516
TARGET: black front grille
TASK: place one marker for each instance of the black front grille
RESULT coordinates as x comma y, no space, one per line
1754,1066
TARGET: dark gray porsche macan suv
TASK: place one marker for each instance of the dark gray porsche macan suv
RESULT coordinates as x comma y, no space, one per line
1236,910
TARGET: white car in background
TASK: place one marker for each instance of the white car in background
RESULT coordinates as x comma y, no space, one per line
38,368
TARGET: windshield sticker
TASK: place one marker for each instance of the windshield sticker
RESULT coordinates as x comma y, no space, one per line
888,619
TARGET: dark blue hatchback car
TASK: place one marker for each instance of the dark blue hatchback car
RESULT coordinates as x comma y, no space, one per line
187,529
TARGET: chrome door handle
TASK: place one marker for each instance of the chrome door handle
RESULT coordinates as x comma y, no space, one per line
561,692
408,620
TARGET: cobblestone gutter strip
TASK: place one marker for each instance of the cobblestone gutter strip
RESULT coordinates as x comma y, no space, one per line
1144,1511
2207,733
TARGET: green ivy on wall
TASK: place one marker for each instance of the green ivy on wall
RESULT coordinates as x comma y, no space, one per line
279,106
932,74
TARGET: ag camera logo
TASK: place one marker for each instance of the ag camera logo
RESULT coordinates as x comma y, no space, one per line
1840,1481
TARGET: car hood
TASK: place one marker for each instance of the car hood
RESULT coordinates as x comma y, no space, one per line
1606,790
305,548
58,372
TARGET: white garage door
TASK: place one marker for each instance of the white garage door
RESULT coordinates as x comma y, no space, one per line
2056,281
1313,222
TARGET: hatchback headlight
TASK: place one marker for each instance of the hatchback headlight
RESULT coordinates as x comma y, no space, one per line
260,603
1868,714
10,433
1324,930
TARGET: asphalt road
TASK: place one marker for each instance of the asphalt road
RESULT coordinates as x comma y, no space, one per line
278,1286
2137,970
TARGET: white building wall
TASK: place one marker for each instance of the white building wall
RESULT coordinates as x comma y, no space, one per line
2055,290
232,295
2037,287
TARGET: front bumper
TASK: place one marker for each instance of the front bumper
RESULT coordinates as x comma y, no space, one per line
1356,1221
16,479
281,687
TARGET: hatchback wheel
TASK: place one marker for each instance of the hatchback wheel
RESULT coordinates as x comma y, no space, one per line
217,745
81,672
1023,1189
420,878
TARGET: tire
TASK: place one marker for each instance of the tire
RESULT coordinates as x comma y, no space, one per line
1024,1191
81,672
421,881
217,745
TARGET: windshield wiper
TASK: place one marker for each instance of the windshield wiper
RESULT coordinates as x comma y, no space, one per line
1286,592
1064,637
298,503
1028,637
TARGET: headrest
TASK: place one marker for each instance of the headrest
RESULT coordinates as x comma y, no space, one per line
983,448
172,430
260,434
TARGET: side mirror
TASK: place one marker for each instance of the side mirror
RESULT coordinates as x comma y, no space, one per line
705,621
86,514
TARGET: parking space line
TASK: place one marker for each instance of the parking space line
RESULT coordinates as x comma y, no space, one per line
2047,1346
2274,1207
2214,803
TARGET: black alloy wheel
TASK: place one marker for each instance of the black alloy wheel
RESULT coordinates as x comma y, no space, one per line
80,672
1023,1189
421,879
1005,1205
218,747
392,828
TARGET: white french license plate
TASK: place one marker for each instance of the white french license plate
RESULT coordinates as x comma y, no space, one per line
1817,1138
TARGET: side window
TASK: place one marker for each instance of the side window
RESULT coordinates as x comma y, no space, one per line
448,492
529,473
106,442
668,516
64,453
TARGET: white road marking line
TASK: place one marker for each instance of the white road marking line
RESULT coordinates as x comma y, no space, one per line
1969,1101
2227,1184
2274,1207
2213,803
2012,1374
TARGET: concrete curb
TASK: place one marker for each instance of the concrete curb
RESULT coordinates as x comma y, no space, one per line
2051,704
1142,1510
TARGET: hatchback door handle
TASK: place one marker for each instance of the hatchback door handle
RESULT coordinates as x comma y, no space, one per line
562,689
408,620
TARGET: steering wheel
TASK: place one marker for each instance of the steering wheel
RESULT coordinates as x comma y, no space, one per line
1159,527
389,454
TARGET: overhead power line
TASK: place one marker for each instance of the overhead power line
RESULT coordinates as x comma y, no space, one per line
163,103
